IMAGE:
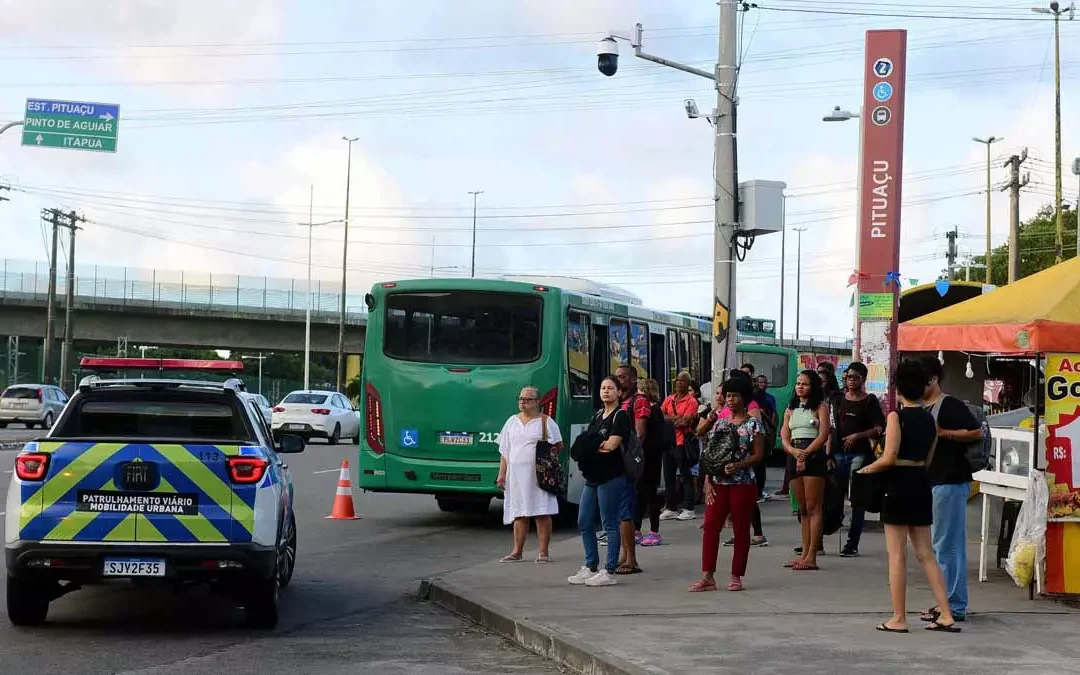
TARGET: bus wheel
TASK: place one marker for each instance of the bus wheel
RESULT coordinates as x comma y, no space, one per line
464,504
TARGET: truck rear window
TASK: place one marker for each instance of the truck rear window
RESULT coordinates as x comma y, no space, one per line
465,327
127,414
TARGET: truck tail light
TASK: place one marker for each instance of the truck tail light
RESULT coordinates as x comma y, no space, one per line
31,466
247,470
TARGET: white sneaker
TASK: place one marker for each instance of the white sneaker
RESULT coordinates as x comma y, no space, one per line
583,575
601,578
668,514
686,514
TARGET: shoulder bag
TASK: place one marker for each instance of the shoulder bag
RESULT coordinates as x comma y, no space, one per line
549,472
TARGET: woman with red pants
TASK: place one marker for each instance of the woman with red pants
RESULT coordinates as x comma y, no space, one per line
734,492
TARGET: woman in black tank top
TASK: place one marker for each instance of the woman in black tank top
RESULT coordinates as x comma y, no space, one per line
907,508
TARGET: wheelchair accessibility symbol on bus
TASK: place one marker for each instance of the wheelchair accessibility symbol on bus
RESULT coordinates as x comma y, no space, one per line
409,438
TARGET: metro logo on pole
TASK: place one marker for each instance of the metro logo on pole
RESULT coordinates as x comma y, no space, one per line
75,125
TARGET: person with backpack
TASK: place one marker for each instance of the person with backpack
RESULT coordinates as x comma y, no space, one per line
950,476
637,406
598,453
648,497
735,445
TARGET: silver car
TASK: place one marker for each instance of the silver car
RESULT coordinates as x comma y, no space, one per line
31,404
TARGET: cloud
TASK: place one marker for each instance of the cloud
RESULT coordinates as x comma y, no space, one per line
149,41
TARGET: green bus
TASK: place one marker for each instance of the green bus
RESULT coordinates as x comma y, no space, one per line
445,359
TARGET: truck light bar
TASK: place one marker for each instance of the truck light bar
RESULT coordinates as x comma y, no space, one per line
110,363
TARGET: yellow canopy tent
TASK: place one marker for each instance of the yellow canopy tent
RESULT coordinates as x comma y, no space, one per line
1038,314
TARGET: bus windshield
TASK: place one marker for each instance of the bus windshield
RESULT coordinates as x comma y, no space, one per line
466,327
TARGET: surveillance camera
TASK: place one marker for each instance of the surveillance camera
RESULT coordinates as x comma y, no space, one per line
607,56
691,109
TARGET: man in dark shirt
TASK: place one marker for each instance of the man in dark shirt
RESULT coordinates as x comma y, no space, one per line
950,474
858,422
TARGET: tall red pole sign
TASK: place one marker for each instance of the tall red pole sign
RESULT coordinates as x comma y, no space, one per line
878,241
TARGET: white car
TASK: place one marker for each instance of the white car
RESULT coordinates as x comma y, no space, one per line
317,414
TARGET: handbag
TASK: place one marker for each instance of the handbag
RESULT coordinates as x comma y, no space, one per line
549,472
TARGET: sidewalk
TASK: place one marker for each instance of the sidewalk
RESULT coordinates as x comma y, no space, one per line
784,622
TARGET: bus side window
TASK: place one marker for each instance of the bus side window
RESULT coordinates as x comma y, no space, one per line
577,354
684,355
695,357
673,356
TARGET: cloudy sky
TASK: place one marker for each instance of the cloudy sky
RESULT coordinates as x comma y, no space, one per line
231,110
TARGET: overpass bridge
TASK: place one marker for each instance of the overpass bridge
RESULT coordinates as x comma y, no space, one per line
181,309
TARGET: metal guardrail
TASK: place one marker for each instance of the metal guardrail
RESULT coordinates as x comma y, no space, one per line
100,284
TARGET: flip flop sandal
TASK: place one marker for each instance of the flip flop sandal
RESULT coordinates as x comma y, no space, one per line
623,569
511,558
793,563
799,567
885,629
942,628
735,585
701,586
542,558
931,615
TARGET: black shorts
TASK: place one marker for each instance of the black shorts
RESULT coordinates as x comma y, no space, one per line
816,465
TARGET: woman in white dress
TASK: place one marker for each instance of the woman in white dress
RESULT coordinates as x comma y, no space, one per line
522,497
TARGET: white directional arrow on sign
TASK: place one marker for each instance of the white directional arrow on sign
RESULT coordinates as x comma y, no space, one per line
106,116
39,139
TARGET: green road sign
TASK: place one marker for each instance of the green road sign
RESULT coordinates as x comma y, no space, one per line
71,124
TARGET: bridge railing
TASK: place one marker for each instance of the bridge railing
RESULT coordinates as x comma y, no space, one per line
101,284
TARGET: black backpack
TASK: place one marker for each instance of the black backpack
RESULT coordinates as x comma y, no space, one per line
632,451
722,449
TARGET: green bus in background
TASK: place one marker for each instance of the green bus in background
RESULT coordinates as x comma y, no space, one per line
445,360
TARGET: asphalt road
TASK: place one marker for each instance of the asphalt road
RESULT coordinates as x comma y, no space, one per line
12,436
349,609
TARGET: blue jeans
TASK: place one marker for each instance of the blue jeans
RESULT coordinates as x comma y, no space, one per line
846,465
949,532
603,502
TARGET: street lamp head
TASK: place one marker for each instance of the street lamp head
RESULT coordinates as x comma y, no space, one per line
607,56
691,109
838,115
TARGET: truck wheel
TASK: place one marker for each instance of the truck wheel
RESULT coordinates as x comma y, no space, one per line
262,602
287,555
27,602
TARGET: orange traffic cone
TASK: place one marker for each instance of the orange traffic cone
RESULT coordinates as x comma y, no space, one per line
343,501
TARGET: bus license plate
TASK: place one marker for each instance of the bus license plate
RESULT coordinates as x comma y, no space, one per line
134,567
455,438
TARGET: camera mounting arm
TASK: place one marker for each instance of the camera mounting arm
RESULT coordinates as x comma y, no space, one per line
635,42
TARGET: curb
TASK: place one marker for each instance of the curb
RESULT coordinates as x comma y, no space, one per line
562,647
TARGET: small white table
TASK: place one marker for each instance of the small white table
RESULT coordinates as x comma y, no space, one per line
996,483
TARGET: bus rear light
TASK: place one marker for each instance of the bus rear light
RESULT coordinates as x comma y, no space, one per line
549,401
374,431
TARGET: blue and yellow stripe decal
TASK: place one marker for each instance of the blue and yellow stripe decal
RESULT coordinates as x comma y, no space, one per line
225,511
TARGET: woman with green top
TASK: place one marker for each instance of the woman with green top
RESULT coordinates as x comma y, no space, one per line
804,434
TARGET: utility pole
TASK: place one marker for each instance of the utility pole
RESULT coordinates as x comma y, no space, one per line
1076,172
50,302
989,238
66,355
1059,230
950,254
475,194
783,263
798,282
1013,186
344,274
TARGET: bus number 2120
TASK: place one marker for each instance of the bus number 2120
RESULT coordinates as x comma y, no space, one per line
489,437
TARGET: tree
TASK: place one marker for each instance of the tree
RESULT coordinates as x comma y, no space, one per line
1036,246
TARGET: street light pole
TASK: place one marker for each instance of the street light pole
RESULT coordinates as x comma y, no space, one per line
475,194
798,283
307,316
344,273
783,262
1076,172
989,248
10,125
